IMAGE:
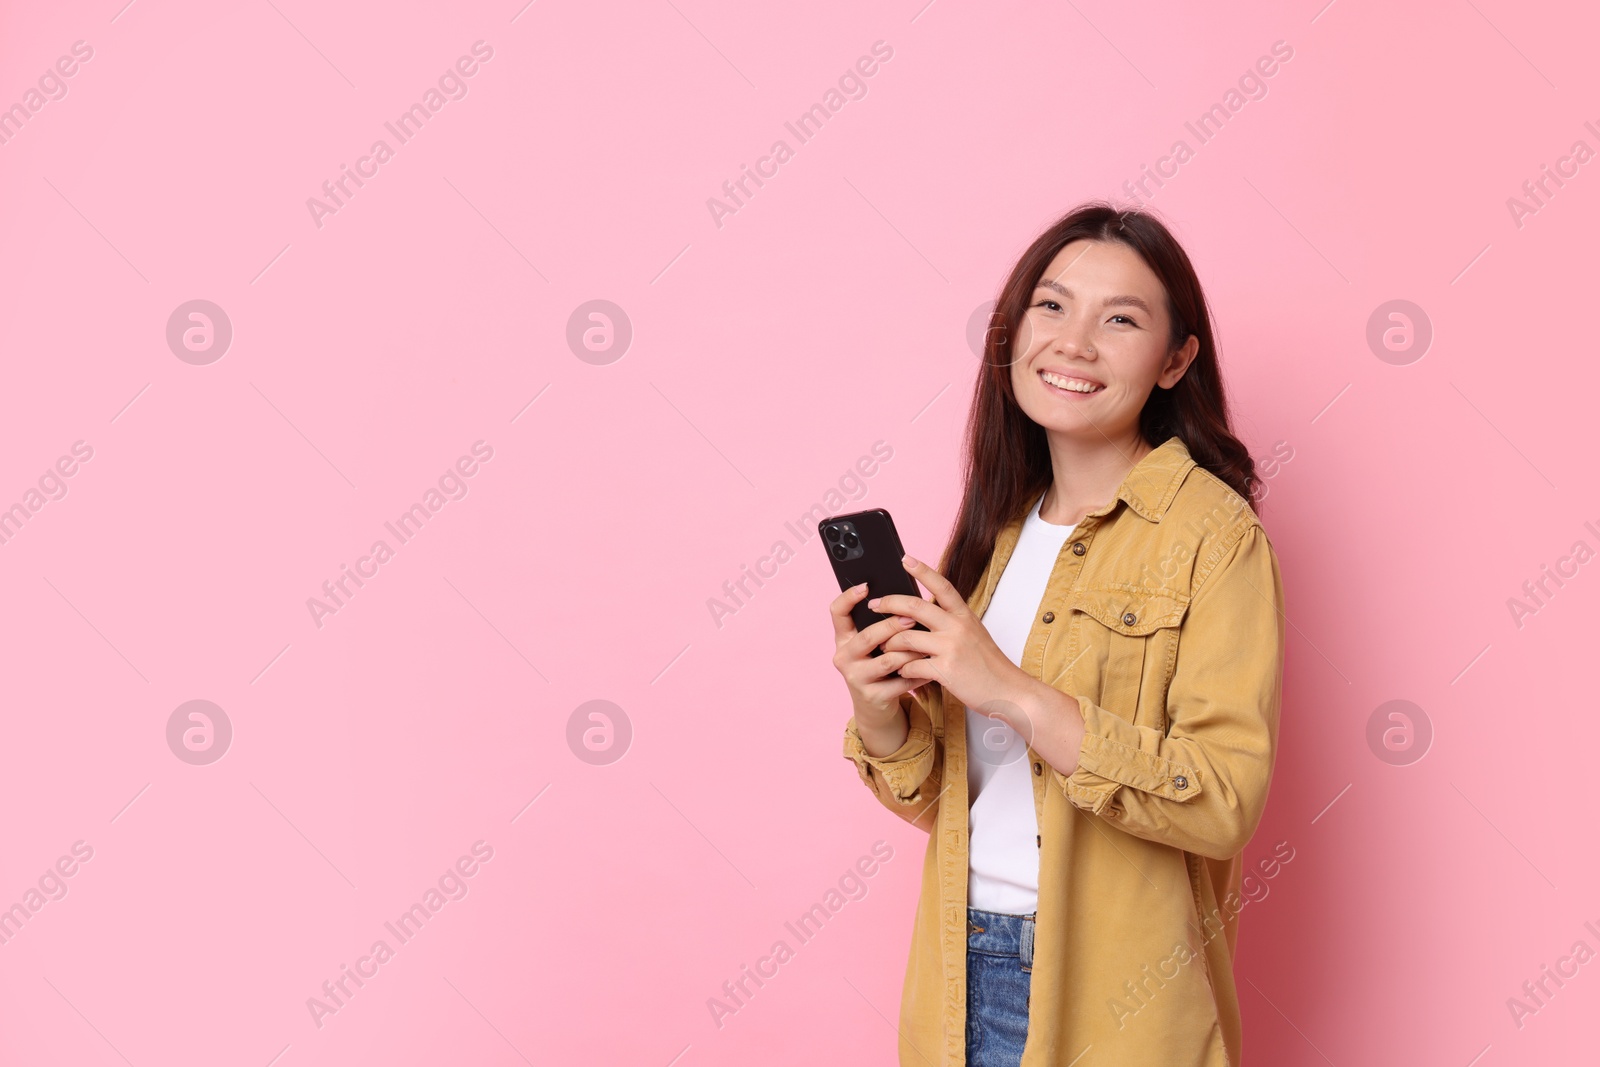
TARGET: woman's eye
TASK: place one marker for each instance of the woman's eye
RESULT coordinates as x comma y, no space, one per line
1124,318
1051,304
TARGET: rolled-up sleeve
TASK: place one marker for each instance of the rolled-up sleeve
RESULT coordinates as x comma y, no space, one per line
1202,785
907,781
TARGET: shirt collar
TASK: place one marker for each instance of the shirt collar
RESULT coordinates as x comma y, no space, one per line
1149,487
1152,483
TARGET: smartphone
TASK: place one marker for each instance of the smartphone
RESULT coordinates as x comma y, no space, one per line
865,547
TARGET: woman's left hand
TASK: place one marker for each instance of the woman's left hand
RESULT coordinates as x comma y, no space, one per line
961,654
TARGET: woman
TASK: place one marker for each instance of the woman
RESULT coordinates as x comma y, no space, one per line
1105,640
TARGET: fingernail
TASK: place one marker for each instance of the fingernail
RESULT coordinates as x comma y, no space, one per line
907,622
873,603
908,561
858,588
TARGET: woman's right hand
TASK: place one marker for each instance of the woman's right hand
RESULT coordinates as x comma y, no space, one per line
875,695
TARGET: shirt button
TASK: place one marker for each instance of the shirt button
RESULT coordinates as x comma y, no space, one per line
1038,768
1078,549
1129,619
1049,616
1181,782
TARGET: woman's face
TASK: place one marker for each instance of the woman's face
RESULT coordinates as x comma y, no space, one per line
1094,342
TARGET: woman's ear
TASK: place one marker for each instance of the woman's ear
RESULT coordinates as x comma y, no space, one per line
1178,362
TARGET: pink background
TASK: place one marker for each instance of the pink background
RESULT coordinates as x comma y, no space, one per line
767,355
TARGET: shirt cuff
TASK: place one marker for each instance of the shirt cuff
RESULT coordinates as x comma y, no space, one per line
1115,754
903,771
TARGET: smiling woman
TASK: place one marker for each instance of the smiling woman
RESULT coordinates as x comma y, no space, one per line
1105,640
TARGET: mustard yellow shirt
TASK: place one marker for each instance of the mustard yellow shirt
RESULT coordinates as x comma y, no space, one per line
1164,617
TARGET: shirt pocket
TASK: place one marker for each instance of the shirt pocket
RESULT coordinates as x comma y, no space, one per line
1122,650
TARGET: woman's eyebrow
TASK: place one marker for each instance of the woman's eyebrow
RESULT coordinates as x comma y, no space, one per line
1110,301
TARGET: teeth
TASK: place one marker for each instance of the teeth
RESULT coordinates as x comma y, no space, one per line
1070,384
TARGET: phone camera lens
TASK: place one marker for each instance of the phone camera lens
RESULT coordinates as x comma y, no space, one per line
839,552
831,532
851,540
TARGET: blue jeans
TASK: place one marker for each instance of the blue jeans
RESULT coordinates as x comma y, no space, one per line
999,977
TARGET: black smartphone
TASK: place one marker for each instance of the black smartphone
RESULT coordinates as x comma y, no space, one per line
865,547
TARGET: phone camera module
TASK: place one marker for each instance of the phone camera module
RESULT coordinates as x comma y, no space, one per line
843,542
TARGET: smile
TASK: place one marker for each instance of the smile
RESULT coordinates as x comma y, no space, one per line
1062,384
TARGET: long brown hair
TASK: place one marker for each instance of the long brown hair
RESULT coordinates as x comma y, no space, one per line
1006,458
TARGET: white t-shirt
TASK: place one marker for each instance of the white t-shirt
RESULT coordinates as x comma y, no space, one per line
1003,871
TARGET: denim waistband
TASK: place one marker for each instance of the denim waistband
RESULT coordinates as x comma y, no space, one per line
996,934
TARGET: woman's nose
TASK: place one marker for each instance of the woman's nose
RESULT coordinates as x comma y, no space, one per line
1072,340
